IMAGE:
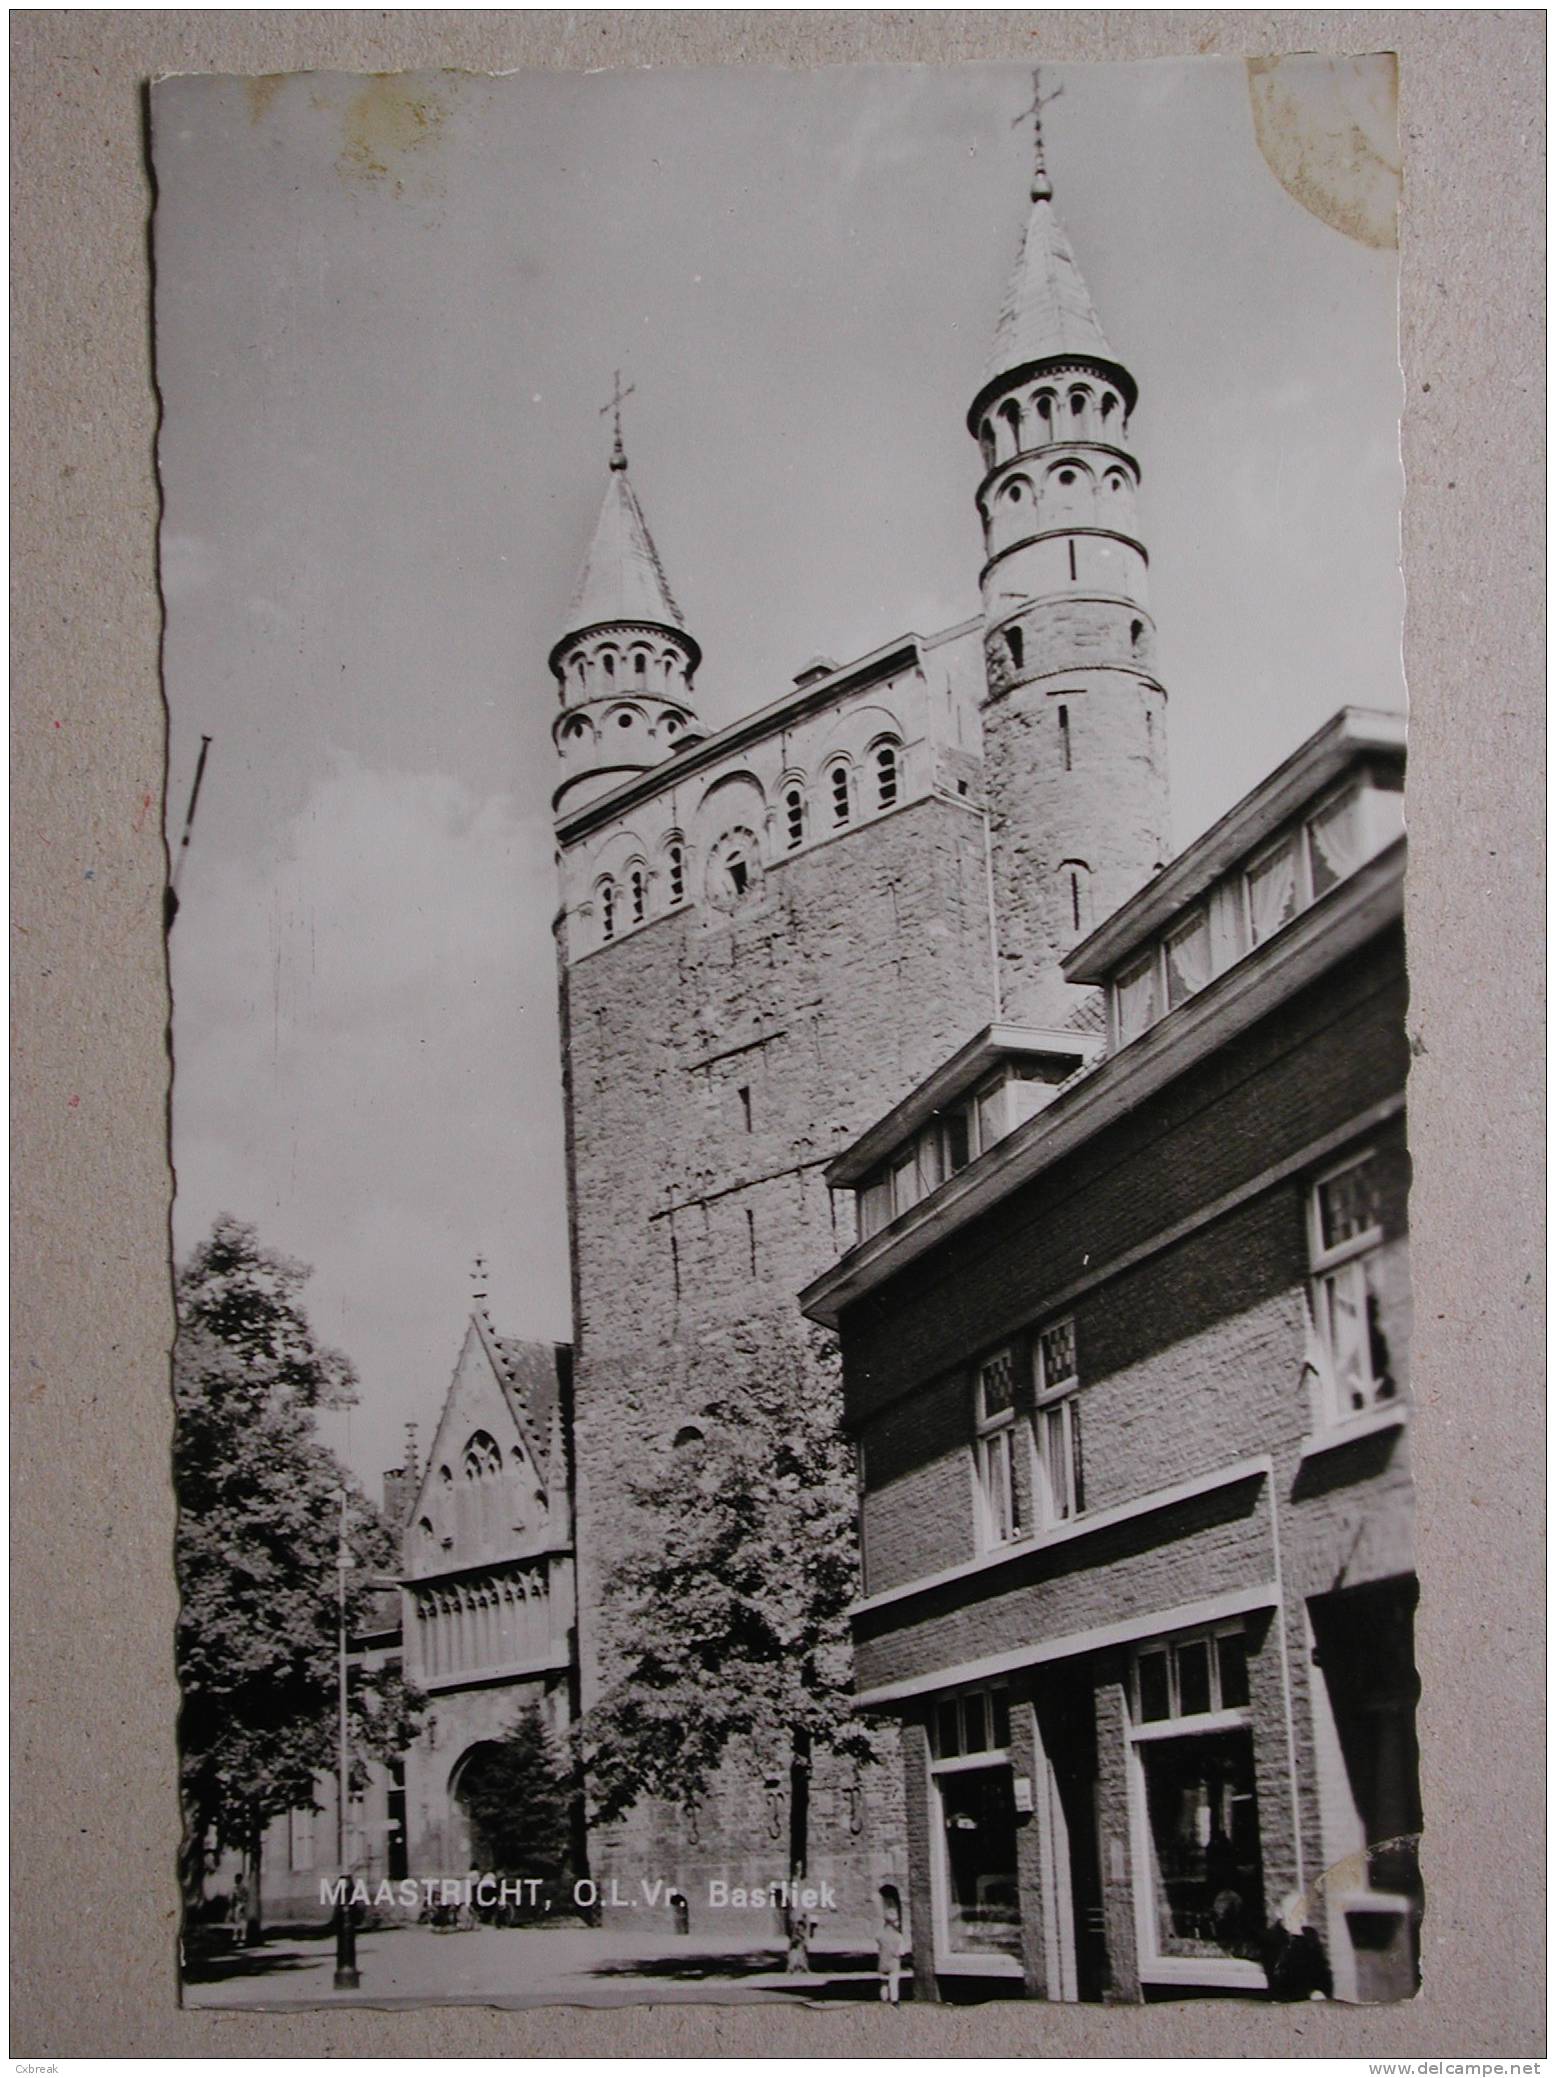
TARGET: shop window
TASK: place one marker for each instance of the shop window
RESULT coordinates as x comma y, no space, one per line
1061,1486
977,1896
1199,1859
995,1417
1345,1224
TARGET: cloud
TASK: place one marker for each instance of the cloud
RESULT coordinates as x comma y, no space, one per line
365,1064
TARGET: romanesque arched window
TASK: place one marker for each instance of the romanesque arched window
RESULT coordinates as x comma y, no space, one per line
887,774
676,859
842,806
640,665
607,894
1045,412
1109,406
793,817
637,893
1016,646
1010,412
986,442
608,659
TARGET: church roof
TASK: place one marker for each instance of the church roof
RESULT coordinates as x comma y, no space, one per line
530,1374
622,577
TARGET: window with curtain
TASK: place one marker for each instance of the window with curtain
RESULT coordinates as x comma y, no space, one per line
1137,997
1334,842
1271,882
1188,959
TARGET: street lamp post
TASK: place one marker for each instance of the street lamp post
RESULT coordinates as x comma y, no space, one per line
347,1976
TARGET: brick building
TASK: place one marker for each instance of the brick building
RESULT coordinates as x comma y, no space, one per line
771,934
1126,1361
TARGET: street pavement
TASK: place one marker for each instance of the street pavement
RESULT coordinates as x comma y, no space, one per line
519,1967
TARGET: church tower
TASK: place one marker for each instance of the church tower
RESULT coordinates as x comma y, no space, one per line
625,663
1074,717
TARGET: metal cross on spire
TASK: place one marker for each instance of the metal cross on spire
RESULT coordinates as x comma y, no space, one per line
618,398
478,1290
1042,186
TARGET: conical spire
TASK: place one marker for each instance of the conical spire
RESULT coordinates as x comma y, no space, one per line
1047,313
622,578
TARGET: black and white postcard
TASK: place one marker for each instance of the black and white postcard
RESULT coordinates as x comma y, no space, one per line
786,792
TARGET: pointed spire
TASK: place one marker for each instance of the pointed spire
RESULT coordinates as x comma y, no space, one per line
622,577
1047,313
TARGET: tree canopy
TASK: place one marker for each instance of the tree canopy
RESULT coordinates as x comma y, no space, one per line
257,1548
727,1621
516,1796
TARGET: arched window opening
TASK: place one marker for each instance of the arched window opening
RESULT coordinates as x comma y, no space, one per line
794,818
689,1438
637,886
840,803
986,442
1045,409
1013,491
1077,403
672,724
886,775
575,728
1136,634
1016,644
607,910
668,662
483,1460
1109,405
578,668
1064,736
425,1528
677,873
445,1476
1010,412
640,665
609,661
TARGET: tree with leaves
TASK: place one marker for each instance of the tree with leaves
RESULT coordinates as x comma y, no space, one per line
257,1548
727,1621
515,1793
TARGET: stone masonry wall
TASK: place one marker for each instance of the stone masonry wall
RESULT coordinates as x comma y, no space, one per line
716,1059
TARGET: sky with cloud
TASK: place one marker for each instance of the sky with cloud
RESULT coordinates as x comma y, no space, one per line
388,313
